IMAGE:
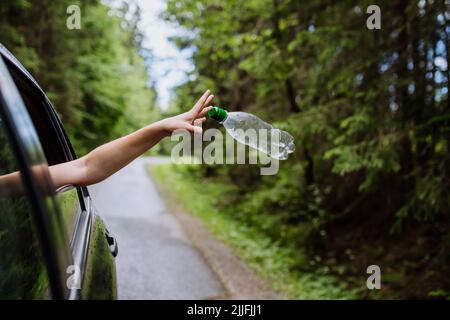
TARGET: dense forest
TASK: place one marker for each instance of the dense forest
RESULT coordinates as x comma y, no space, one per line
95,76
369,182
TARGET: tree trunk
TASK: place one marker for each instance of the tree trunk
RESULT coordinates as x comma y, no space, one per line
288,83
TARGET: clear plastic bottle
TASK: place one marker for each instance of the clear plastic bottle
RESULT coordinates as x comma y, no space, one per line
248,129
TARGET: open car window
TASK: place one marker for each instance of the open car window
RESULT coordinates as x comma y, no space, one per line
37,109
68,197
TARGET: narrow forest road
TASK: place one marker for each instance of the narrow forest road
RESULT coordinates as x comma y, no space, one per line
156,259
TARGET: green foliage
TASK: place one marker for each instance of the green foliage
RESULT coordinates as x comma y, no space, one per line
94,76
273,261
368,110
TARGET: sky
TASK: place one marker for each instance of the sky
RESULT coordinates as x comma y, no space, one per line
169,65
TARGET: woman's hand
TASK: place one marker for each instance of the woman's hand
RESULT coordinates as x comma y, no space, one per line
191,119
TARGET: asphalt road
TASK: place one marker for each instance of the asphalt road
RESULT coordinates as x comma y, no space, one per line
156,259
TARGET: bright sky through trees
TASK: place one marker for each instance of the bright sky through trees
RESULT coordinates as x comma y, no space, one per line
169,65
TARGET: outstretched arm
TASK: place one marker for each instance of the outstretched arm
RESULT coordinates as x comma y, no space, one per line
107,159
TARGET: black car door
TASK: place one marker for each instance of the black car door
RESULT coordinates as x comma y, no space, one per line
88,271
27,184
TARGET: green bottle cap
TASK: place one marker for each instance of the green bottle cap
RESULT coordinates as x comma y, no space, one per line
218,114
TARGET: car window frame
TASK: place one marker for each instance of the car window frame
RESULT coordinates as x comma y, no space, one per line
80,242
37,183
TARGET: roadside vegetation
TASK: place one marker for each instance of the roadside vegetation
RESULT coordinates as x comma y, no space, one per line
273,261
370,113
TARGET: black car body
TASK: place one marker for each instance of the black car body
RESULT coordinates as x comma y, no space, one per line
53,244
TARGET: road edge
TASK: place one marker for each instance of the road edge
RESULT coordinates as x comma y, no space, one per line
240,281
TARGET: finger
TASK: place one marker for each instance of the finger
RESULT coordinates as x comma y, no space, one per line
199,105
199,121
205,111
208,101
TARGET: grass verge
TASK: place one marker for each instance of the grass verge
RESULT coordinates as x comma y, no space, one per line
267,258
